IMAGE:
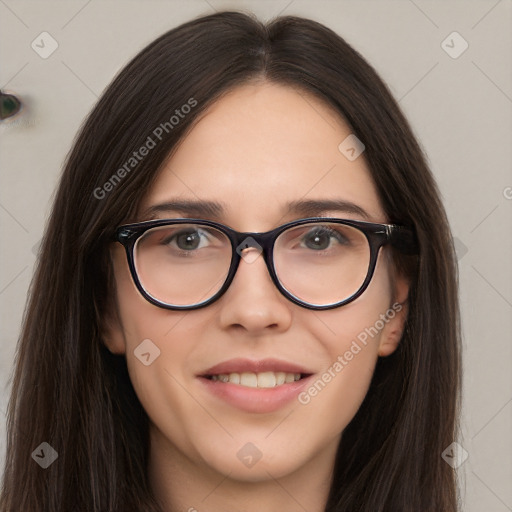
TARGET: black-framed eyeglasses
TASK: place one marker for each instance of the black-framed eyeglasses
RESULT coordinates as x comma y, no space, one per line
317,263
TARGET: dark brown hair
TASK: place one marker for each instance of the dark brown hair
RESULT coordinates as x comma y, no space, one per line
71,392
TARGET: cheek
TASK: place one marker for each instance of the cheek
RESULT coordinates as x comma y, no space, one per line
157,343
350,338
161,384
175,341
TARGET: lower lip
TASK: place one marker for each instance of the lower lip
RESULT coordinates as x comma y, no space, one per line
257,400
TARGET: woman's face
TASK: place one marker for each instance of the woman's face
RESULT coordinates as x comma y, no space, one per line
258,149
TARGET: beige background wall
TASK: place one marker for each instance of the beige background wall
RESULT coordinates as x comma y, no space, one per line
460,108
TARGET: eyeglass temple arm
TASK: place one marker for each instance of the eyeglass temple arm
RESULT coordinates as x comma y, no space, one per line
404,239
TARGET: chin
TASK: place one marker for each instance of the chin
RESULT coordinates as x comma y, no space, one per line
254,462
261,471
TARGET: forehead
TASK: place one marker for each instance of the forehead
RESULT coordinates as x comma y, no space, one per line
259,148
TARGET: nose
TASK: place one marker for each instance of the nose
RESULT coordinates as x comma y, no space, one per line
252,302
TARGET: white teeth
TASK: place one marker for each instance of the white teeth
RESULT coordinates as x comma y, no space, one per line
290,377
249,379
257,380
234,378
267,380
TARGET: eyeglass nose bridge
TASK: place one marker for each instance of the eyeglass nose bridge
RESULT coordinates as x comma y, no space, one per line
263,245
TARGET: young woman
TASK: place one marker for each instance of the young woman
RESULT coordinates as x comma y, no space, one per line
246,293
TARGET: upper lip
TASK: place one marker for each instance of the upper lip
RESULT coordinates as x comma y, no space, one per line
240,365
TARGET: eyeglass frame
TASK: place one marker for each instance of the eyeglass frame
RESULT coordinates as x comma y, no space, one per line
377,235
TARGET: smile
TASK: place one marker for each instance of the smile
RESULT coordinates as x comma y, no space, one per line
257,380
262,386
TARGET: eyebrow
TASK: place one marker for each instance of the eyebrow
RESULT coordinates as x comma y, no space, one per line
212,209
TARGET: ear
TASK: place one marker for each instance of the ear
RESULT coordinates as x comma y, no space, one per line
112,333
111,329
397,315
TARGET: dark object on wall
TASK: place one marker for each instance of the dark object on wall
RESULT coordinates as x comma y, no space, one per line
9,105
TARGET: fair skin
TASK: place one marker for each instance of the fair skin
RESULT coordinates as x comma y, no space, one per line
257,149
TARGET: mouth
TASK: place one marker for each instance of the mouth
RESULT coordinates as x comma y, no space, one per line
263,386
263,373
262,380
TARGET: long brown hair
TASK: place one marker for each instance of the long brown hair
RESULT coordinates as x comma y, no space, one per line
72,393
